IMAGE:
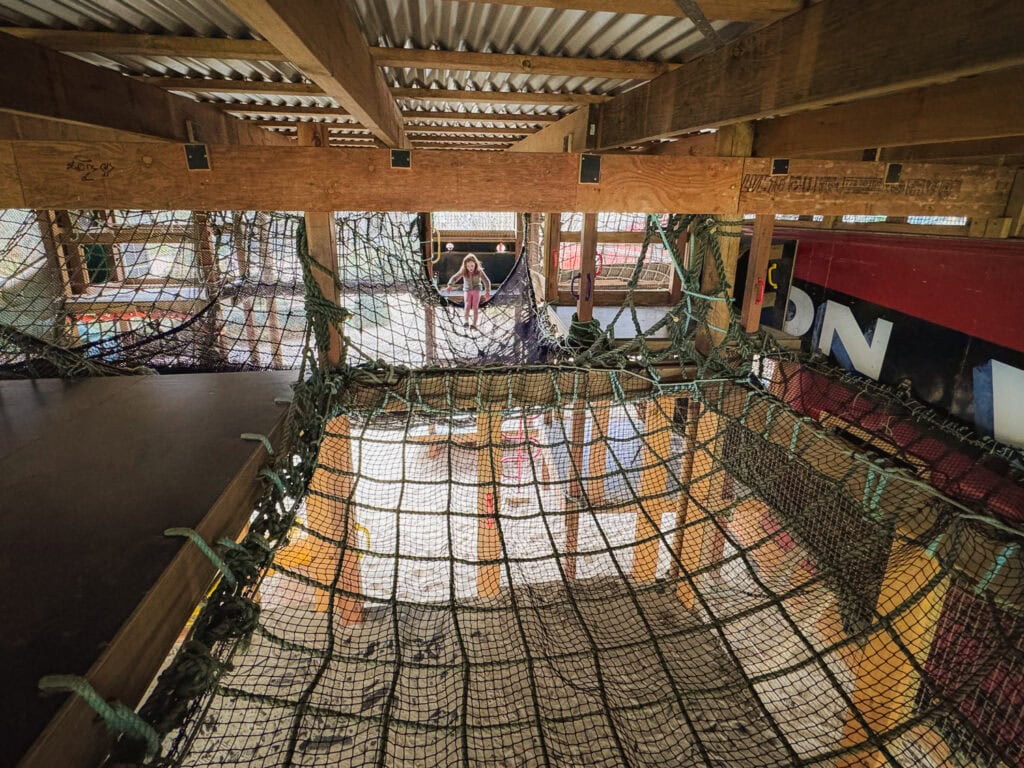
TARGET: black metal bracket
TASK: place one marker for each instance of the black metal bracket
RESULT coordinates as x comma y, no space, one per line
401,158
196,157
590,169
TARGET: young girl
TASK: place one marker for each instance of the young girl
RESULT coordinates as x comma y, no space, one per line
474,279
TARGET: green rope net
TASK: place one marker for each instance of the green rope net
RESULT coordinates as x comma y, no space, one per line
656,541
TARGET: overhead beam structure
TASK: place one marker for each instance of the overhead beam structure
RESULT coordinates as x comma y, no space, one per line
286,88
324,39
121,44
409,115
154,176
832,51
39,83
984,107
726,10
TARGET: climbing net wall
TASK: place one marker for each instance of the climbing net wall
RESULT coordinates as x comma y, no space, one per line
616,553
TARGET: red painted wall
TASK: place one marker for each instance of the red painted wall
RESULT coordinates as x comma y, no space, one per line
973,286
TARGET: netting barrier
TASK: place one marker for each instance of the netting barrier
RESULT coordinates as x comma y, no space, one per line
500,546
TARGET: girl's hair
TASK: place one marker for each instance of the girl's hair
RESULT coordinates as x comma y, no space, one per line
466,260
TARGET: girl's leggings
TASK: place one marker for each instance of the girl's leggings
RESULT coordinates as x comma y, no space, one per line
472,300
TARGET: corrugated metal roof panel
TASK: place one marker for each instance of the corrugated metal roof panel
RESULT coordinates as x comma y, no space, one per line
172,17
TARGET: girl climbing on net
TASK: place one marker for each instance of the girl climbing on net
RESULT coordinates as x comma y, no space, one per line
474,280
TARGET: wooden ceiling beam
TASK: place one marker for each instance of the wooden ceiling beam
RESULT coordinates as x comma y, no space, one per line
44,84
499,97
218,48
408,114
223,85
984,151
831,52
561,66
324,39
411,131
217,85
155,176
724,10
984,107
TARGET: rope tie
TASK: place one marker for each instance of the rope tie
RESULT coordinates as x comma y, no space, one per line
203,547
117,717
259,438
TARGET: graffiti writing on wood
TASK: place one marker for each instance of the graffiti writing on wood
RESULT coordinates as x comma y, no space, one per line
941,189
90,171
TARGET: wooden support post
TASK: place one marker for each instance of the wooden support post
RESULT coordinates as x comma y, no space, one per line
206,260
322,240
732,141
1015,206
248,305
55,262
577,437
598,451
675,282
552,260
885,679
427,235
588,268
69,254
695,542
330,513
757,268
685,477
488,477
654,501
269,274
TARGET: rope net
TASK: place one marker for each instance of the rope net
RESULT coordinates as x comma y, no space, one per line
512,546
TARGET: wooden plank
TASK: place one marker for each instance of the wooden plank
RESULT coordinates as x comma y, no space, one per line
731,10
561,66
498,387
832,51
972,108
757,268
154,177
324,39
42,83
654,475
835,188
552,249
570,134
119,624
488,426
695,145
588,269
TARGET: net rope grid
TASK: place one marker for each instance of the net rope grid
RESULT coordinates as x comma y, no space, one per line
673,544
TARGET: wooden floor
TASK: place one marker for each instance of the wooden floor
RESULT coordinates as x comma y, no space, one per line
91,474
